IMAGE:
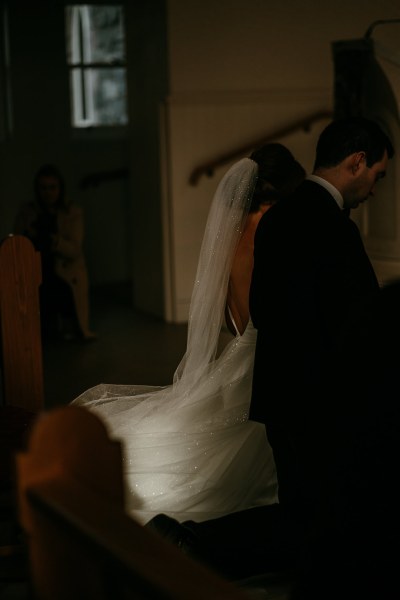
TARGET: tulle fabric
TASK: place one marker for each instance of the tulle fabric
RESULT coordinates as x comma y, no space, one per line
189,449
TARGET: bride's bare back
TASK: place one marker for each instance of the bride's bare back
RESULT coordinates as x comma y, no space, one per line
238,313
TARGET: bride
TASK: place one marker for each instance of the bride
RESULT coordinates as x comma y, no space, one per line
189,449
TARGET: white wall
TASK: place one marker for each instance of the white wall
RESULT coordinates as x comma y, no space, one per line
239,70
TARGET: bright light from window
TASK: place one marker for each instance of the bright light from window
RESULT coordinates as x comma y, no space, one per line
96,58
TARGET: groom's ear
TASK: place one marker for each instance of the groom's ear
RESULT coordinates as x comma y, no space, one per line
356,162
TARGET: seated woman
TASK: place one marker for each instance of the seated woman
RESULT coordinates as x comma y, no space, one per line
55,227
189,449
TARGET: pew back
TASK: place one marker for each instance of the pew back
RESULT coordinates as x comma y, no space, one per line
82,544
21,344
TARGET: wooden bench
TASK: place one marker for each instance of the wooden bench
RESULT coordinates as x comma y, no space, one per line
81,542
21,364
21,344
21,385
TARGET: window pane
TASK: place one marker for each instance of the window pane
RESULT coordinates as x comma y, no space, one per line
107,35
96,55
95,34
99,97
109,96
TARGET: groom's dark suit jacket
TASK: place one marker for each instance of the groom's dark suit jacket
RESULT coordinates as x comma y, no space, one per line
311,289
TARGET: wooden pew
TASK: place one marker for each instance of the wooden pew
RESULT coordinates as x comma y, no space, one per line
20,278
21,344
21,385
21,364
81,542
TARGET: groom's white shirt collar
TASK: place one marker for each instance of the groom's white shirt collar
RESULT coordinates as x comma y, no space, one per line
329,187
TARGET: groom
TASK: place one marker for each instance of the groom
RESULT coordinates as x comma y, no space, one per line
312,285
311,300
312,291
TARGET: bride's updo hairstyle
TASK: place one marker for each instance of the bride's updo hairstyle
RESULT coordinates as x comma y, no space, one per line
279,174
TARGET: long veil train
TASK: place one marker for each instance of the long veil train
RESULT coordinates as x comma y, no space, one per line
189,449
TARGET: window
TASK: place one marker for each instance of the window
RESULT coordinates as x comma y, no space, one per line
96,59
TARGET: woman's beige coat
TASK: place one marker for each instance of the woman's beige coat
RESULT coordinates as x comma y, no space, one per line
69,260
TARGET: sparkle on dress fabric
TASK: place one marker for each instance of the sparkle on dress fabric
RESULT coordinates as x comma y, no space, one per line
183,468
187,445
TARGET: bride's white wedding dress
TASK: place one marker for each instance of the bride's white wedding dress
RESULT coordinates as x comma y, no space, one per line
189,449
195,456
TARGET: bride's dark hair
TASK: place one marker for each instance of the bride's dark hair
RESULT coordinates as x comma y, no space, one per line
279,173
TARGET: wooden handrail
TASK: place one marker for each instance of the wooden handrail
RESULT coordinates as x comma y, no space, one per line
304,123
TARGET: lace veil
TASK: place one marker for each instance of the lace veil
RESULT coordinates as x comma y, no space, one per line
226,219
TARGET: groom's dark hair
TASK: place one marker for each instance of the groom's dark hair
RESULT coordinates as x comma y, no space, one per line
344,137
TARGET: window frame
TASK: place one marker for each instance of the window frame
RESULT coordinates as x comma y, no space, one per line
77,66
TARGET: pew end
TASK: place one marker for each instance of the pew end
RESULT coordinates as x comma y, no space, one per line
81,542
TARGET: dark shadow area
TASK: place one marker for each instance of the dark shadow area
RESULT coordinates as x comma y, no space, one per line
131,348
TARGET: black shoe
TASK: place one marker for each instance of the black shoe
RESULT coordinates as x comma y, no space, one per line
174,532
